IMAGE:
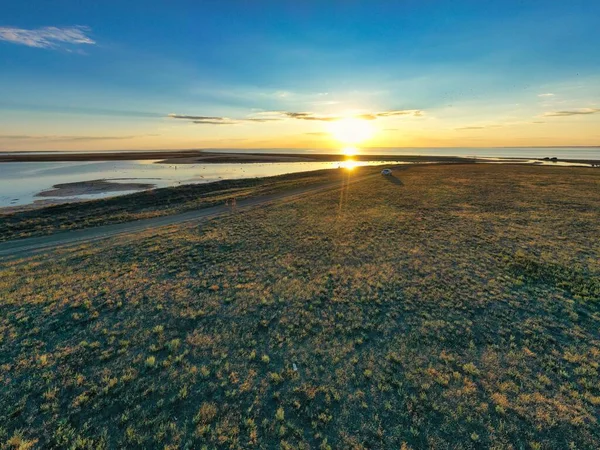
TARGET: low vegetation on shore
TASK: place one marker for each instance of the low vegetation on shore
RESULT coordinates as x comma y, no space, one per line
442,305
152,203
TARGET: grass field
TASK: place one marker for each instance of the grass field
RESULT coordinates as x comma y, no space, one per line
449,306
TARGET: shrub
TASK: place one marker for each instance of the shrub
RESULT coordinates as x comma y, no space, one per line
206,413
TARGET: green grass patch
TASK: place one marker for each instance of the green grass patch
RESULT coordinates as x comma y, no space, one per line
575,280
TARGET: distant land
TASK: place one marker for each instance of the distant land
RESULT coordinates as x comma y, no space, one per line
201,156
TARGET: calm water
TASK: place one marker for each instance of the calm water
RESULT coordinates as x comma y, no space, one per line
588,153
21,181
482,152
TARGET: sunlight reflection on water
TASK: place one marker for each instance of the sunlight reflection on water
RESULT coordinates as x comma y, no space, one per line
21,181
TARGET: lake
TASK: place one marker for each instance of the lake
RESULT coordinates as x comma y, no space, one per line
21,181
583,153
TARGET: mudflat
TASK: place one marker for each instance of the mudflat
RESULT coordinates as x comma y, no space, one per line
91,187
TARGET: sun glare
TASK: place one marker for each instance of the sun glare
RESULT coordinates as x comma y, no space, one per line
350,151
349,164
351,131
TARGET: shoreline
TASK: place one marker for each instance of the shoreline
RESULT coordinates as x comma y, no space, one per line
91,187
211,157
76,192
215,157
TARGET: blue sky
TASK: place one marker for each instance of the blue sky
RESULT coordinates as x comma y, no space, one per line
155,74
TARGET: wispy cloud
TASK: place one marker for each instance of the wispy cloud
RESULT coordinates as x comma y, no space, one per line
270,116
548,94
188,117
264,116
572,112
401,112
216,120
208,120
310,116
366,116
47,37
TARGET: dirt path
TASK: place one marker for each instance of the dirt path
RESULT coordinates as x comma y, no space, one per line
21,248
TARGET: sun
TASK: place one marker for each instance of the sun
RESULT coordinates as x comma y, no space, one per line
351,131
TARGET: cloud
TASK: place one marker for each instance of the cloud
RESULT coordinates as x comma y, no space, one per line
271,116
366,116
207,120
549,94
318,133
263,116
401,112
573,112
47,37
266,116
186,117
310,116
215,122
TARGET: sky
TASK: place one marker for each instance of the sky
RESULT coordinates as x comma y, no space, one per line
118,75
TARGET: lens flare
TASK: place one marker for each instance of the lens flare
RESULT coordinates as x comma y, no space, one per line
349,164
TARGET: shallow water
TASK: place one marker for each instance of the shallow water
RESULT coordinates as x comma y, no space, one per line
21,181
584,153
